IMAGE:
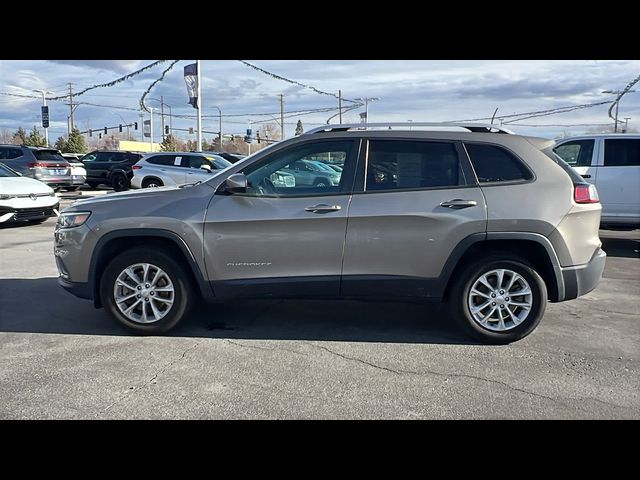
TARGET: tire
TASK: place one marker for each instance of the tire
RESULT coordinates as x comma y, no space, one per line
119,182
71,189
93,184
183,292
322,183
151,183
461,300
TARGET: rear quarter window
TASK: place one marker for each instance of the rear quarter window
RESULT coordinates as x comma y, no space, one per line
496,164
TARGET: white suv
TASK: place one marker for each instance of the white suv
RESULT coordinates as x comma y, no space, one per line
612,163
176,168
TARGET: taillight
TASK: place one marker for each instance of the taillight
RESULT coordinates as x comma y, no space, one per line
37,165
586,194
136,167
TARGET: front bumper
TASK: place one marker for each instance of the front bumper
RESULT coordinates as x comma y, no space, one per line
582,279
8,214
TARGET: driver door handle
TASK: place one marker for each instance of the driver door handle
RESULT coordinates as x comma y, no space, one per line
323,208
458,203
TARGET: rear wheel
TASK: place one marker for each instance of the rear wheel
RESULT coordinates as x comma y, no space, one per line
151,183
71,189
119,182
499,299
93,184
146,291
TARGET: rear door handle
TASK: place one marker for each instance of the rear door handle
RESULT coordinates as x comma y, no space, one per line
323,208
586,175
458,203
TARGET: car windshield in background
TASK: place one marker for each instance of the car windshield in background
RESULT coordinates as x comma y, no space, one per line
51,155
6,171
219,162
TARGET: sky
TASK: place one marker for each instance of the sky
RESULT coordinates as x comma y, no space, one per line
424,90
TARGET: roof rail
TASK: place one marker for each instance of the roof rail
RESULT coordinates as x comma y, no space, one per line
472,127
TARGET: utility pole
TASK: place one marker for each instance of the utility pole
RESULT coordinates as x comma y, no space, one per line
282,116
162,114
340,104
151,128
70,109
141,125
199,103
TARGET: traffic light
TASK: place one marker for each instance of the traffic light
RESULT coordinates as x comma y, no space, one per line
90,133
258,135
190,129
120,128
135,125
100,136
105,130
166,129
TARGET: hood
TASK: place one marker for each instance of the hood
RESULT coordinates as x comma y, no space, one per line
22,185
129,195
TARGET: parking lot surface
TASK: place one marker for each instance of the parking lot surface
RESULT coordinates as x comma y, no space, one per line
61,358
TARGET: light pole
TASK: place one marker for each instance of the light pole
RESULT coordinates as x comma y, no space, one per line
44,104
125,123
219,127
366,101
151,128
616,92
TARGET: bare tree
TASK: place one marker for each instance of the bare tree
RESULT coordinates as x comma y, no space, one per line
6,136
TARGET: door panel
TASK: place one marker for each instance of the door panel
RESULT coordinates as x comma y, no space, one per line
416,207
405,234
280,238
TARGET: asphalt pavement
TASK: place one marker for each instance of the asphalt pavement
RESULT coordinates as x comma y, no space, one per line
63,359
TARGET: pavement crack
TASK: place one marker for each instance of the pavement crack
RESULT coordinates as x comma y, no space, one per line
153,379
441,374
242,345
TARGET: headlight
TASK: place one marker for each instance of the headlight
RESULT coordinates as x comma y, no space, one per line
72,219
6,197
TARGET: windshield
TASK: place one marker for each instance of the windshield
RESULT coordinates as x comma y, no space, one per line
51,155
6,171
218,162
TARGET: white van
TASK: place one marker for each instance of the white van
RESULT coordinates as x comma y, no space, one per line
612,163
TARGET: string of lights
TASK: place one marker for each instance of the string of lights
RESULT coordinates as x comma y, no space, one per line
142,105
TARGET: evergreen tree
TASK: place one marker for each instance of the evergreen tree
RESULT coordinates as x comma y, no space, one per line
20,137
60,144
299,128
35,139
169,144
75,143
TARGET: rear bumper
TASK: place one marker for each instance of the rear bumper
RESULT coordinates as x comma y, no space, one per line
582,279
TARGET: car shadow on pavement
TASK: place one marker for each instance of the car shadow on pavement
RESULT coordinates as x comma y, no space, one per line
621,247
40,305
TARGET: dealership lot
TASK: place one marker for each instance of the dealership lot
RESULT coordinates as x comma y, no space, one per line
61,358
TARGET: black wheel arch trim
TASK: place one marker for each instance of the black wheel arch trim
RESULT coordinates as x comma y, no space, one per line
203,285
464,245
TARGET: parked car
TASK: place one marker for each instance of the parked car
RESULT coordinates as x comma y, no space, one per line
611,162
78,172
40,163
23,199
493,223
110,167
311,173
175,168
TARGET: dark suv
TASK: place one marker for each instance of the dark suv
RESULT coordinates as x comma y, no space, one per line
41,163
112,168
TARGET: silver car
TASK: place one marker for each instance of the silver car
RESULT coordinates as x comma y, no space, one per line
42,163
175,168
493,223
78,172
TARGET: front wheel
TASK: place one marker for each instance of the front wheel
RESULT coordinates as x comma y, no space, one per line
146,291
499,300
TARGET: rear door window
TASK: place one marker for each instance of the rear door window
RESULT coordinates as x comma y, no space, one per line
118,157
577,153
161,160
398,165
495,164
621,152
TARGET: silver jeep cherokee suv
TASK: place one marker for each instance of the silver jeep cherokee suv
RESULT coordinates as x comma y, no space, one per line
494,223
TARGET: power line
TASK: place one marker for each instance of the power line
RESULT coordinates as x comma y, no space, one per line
142,105
294,82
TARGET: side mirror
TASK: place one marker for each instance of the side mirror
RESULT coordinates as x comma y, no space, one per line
236,183
206,167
